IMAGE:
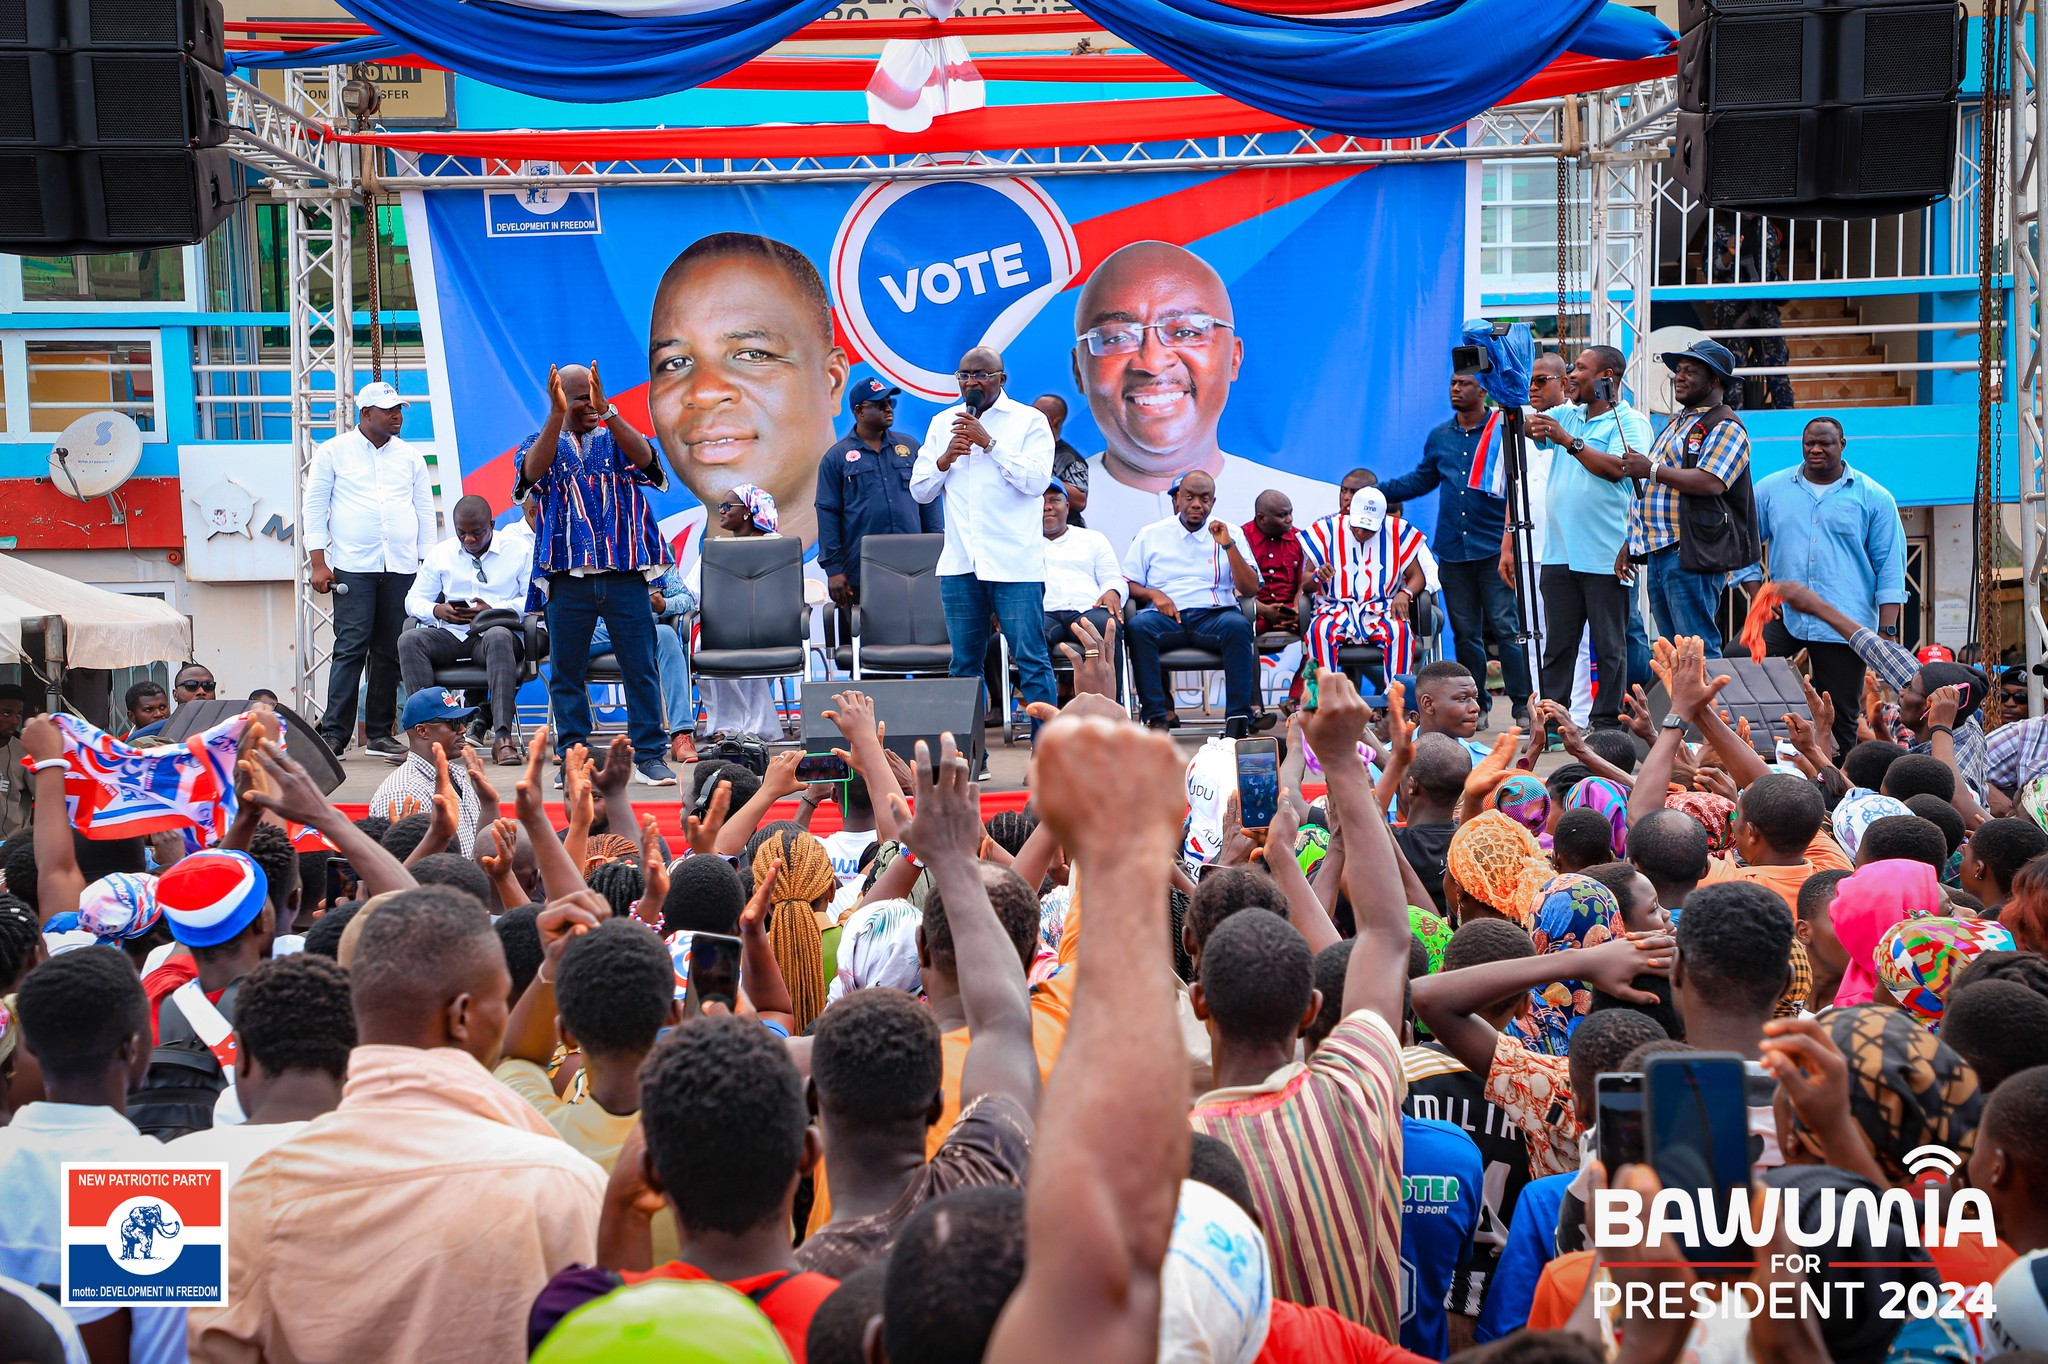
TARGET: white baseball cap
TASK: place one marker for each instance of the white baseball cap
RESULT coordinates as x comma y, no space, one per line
1368,509
379,395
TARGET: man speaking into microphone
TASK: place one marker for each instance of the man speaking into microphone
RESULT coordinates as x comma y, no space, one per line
991,458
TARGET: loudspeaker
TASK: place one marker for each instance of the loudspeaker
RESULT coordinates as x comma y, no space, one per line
301,740
908,709
113,199
1761,693
1842,109
147,99
189,26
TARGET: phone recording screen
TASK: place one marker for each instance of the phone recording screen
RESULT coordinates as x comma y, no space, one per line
1699,1137
1258,782
1620,1121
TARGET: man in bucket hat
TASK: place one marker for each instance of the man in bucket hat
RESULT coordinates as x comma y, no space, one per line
1701,453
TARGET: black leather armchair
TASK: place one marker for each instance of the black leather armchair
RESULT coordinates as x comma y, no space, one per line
751,618
471,677
899,625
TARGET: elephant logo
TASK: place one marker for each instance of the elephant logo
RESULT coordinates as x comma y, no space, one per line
140,1228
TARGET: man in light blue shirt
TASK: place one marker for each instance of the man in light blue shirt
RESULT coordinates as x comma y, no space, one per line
1587,525
1837,531
1190,570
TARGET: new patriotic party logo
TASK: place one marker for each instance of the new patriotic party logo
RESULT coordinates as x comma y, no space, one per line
924,271
137,1234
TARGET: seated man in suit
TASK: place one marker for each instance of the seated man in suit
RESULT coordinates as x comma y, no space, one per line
479,570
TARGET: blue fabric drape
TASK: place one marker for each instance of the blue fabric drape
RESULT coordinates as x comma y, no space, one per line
578,56
1408,74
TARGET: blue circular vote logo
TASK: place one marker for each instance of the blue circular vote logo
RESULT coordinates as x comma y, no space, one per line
923,272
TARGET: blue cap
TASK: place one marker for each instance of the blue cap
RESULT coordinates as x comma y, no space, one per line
1712,354
434,703
872,391
1059,486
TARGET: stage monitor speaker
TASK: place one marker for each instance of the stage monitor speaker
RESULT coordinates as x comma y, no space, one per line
1761,693
909,709
112,200
301,740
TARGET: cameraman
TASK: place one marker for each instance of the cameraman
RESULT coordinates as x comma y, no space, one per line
1587,526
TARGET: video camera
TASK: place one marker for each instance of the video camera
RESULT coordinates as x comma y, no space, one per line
1500,356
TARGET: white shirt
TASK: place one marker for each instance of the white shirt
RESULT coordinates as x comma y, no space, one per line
370,508
498,578
845,848
1120,511
1079,567
995,495
1187,565
33,1147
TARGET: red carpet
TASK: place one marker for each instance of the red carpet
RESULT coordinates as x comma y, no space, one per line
668,814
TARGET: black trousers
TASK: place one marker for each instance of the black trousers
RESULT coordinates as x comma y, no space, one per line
1572,604
422,651
367,619
1837,674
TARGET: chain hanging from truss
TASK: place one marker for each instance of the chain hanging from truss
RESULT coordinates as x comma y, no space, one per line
1988,512
373,211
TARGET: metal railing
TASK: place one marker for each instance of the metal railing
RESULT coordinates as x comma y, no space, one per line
1829,366
251,400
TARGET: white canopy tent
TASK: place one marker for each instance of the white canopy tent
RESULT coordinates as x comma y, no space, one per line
100,629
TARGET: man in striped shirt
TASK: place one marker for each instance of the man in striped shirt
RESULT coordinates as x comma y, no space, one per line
1320,1141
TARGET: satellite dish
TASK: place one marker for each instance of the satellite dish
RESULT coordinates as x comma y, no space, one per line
1650,380
96,454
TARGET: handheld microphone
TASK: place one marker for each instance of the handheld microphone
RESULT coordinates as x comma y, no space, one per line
975,400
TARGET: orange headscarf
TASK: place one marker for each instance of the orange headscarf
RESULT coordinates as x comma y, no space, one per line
1500,864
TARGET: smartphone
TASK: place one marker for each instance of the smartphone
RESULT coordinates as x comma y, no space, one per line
341,882
1258,782
1620,1128
821,767
1698,1137
714,972
1603,390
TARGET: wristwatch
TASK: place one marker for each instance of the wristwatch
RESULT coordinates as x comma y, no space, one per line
1888,631
610,410
1673,721
1576,445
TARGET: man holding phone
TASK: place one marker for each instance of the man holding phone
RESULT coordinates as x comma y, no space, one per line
477,571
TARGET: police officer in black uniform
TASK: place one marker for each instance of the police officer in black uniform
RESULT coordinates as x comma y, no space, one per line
864,489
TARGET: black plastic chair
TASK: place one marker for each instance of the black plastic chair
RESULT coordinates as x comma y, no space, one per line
472,677
751,617
899,625
1363,662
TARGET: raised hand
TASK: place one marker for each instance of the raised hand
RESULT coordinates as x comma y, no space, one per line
504,836
447,805
558,398
564,920
780,779
43,740
1237,846
1692,691
288,791
1823,708
598,402
854,714
528,794
1106,782
1093,673
754,918
654,872
1942,705
1400,728
948,818
617,771
1635,713
1488,771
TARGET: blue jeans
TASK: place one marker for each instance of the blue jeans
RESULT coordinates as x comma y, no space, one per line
1222,628
1019,609
1638,644
675,673
1479,604
575,606
1685,603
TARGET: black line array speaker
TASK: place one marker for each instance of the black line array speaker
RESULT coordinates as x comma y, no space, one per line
111,112
908,709
1811,109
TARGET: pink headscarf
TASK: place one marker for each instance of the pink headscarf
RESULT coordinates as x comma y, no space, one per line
1866,906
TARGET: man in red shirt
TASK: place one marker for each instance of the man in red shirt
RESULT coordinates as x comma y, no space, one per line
1278,555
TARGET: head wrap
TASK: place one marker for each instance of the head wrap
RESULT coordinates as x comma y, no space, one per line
760,504
1907,1088
10,1027
119,906
694,1321
792,928
1859,810
1867,904
1521,797
878,946
2033,800
1434,932
1573,911
1715,814
211,896
1499,863
1607,800
1312,846
1216,1286
1855,1337
1919,959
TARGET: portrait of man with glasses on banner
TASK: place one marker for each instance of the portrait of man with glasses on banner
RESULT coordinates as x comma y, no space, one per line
1156,350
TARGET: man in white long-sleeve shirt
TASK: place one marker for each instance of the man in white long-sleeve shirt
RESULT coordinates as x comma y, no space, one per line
479,570
993,470
368,520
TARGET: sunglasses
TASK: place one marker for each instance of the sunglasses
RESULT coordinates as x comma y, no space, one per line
197,686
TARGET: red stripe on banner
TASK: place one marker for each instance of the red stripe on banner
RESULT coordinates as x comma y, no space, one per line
96,1193
1188,215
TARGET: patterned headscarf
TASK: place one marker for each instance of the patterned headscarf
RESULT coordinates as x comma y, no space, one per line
1907,1088
793,930
119,906
1499,863
760,504
1434,932
878,946
2033,800
1573,911
1919,959
1715,814
1521,797
1865,907
1610,802
1859,810
1799,988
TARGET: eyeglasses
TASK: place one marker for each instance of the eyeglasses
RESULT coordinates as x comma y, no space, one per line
197,686
1189,331
1536,379
976,376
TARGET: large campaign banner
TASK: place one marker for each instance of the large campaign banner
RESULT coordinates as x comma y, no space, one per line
1299,323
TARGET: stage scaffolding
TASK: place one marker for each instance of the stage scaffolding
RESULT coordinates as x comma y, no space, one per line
1622,133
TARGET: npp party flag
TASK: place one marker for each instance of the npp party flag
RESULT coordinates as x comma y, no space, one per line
115,790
